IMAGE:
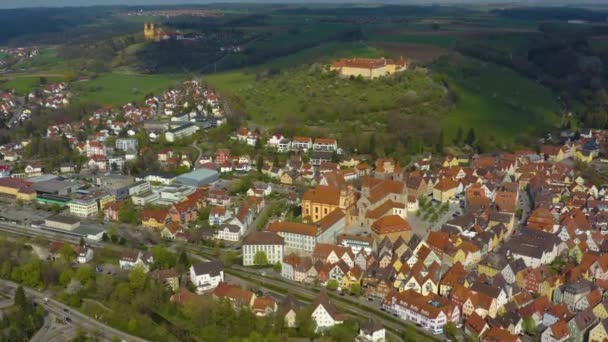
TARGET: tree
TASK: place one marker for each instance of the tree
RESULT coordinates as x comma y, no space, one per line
332,284
347,331
439,145
30,273
260,258
529,325
85,274
260,163
306,326
372,146
163,258
356,289
258,144
137,279
183,259
20,300
66,276
128,212
470,139
67,253
458,136
277,266
451,331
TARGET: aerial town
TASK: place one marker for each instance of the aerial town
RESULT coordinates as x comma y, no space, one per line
276,173
493,246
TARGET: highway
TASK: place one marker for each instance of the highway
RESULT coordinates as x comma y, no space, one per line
85,322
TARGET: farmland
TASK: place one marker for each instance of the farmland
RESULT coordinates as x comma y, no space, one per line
116,89
22,84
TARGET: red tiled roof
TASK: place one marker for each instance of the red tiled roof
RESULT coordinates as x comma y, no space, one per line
323,194
391,224
292,227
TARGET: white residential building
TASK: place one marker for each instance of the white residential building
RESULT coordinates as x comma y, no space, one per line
85,254
372,331
325,313
228,232
432,312
126,144
284,146
206,275
269,243
323,144
296,235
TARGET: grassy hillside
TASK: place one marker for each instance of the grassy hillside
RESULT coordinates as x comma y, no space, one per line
25,83
496,101
116,89
308,99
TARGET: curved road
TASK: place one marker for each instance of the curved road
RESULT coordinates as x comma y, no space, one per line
78,318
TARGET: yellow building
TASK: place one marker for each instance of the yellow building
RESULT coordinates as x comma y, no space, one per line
582,156
105,199
600,332
154,218
352,277
445,190
549,286
153,33
369,68
450,161
600,310
321,201
552,153
16,188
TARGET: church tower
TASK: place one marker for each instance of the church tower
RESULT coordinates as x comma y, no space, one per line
149,31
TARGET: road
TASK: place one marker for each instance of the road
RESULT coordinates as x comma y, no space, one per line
344,304
198,157
79,319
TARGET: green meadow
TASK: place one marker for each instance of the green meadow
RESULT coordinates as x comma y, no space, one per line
496,101
116,88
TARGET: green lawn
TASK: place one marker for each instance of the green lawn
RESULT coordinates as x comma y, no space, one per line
117,89
24,84
497,102
47,61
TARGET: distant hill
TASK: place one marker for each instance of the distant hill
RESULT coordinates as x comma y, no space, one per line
7,4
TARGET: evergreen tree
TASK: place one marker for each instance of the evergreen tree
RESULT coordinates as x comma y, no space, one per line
20,300
439,145
470,140
458,137
260,163
372,146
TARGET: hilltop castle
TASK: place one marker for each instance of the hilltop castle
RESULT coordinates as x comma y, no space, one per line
369,68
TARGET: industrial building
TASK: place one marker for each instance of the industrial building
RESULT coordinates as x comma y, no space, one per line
198,177
62,222
182,131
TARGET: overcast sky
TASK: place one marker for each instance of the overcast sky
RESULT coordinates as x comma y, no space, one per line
61,3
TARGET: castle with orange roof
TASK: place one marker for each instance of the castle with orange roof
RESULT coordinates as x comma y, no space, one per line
369,68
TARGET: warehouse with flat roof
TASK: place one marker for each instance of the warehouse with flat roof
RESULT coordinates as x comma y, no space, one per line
198,177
